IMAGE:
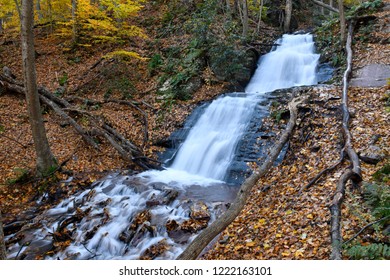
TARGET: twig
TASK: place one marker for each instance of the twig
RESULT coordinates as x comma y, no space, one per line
16,141
316,178
365,227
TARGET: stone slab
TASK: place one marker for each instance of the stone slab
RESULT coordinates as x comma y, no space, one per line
373,75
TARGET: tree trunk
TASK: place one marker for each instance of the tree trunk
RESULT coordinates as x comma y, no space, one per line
260,16
45,159
287,18
245,18
39,10
3,254
343,28
207,235
18,8
75,31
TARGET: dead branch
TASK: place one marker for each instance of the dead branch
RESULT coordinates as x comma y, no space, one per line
353,173
132,104
203,239
128,150
326,6
365,227
324,171
77,127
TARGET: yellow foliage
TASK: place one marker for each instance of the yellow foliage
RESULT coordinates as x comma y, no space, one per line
105,20
124,55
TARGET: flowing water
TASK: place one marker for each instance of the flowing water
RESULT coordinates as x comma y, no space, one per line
105,221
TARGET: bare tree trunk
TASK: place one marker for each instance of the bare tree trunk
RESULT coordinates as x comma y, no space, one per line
287,18
3,253
75,31
207,235
245,18
50,10
18,8
343,28
45,159
39,10
260,15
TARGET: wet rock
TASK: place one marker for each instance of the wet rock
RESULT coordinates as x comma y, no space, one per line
144,231
180,236
13,227
138,227
36,249
176,233
193,225
164,198
372,155
171,225
224,239
141,218
155,250
200,211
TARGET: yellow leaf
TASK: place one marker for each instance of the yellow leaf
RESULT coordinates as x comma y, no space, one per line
299,253
278,235
310,216
260,223
266,246
286,254
289,212
251,244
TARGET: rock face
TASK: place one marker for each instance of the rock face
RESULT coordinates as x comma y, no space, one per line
373,75
372,155
225,70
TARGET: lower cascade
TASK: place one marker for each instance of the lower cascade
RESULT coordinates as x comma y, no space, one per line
155,214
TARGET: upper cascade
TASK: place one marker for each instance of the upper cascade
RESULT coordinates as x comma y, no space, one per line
293,62
210,146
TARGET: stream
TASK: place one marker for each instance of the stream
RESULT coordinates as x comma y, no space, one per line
155,214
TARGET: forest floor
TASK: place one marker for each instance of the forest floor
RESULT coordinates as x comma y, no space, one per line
281,220
285,220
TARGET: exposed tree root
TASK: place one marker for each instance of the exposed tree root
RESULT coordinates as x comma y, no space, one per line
354,172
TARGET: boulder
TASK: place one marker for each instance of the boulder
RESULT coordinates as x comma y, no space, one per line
372,155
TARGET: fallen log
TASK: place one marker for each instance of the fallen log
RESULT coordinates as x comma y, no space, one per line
207,235
127,150
326,6
353,173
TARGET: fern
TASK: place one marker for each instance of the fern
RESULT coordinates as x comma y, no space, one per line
378,198
375,251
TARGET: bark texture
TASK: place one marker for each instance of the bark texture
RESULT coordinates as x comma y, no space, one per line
45,158
353,173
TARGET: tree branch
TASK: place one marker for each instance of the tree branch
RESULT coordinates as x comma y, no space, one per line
326,6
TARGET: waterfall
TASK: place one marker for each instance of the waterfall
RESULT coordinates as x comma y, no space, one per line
210,145
105,226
